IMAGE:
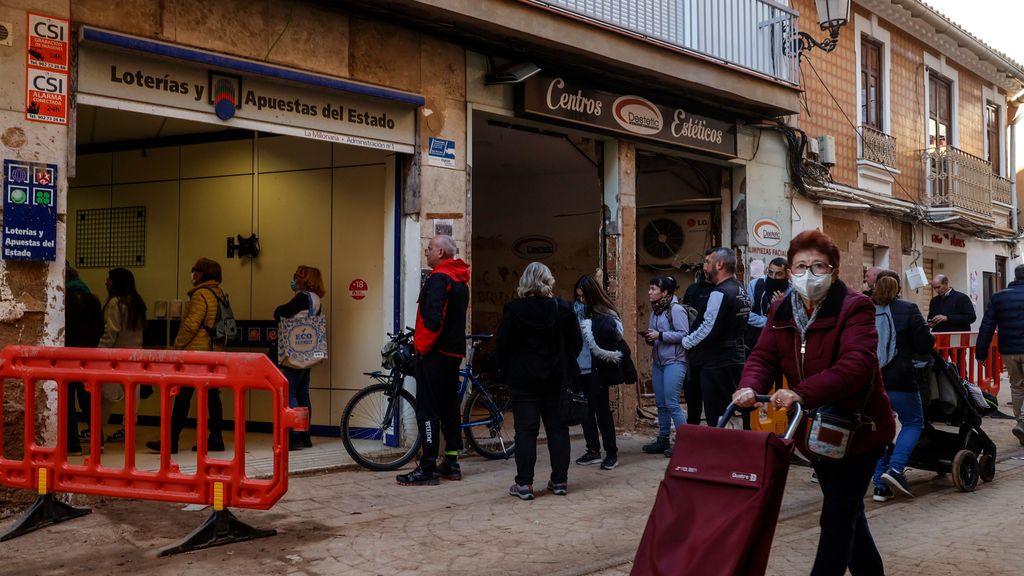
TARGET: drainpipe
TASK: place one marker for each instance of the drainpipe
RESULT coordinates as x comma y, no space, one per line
1013,172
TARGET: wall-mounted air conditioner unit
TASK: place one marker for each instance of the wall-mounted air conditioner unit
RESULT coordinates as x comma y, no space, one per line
672,239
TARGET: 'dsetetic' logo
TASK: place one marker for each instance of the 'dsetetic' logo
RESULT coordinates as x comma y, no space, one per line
225,93
637,115
767,232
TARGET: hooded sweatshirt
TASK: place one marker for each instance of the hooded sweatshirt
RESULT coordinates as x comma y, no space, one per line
534,332
441,314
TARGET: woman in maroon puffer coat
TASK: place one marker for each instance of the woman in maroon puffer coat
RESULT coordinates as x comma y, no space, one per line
822,338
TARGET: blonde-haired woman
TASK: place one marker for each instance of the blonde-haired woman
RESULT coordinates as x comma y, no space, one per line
538,340
308,286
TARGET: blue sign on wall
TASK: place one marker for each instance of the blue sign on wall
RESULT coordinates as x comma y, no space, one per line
30,211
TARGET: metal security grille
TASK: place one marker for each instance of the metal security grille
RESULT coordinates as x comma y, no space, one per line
750,34
110,237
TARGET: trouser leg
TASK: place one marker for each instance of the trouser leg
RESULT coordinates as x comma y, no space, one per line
449,402
590,424
605,421
692,392
526,411
717,387
557,434
845,539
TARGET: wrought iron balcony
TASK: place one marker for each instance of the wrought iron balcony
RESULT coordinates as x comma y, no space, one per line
749,34
877,146
1001,190
957,180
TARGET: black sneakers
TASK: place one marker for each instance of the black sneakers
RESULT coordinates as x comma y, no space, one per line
610,462
449,470
1018,431
658,446
418,477
154,445
882,493
589,458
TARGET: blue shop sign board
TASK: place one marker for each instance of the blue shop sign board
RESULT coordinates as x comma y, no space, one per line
30,211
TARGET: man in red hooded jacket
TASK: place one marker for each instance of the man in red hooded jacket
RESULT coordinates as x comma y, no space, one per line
440,343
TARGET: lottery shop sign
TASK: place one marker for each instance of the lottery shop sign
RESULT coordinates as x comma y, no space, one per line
30,211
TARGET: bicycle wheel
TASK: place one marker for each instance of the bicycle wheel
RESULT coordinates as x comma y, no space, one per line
494,437
380,432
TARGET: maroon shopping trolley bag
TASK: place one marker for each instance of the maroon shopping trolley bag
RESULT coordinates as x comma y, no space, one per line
718,504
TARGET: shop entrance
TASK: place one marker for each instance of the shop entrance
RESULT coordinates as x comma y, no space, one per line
537,196
153,194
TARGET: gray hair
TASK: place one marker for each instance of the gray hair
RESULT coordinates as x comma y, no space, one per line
446,244
537,280
727,257
1018,273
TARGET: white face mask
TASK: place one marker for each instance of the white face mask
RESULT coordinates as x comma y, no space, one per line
812,287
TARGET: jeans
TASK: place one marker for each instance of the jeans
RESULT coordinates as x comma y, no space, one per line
437,406
533,402
668,381
845,540
298,392
907,406
599,417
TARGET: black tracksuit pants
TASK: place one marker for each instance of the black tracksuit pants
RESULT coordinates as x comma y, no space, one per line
437,406
599,417
533,402
182,405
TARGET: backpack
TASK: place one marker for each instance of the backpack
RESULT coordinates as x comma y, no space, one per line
692,317
224,327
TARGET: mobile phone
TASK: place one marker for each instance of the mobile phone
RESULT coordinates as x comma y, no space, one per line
642,332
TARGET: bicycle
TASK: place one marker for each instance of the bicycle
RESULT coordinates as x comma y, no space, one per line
379,428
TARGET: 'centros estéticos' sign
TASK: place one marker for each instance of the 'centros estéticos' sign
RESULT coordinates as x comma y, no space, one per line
557,98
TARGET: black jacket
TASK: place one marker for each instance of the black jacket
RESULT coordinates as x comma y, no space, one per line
1005,311
719,339
441,310
912,338
606,336
537,339
957,307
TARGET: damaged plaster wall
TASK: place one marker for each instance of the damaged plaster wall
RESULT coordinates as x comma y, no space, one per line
31,293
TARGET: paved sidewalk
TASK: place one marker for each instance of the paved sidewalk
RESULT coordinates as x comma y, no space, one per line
360,522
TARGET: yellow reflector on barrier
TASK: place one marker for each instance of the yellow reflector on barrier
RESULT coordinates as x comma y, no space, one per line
43,488
218,496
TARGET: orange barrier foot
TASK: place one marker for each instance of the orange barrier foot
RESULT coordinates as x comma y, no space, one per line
222,527
46,510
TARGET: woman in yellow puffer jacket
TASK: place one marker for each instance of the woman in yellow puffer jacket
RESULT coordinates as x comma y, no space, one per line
194,334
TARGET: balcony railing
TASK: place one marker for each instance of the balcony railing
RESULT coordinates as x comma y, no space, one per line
749,34
1001,190
956,179
878,147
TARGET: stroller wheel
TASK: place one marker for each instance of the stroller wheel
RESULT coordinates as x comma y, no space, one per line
965,471
986,467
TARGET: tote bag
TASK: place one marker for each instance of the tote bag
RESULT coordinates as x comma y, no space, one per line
302,339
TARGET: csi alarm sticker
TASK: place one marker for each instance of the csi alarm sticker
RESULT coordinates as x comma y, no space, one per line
767,232
357,289
46,98
48,42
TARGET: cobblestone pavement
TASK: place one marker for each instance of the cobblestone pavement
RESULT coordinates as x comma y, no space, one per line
360,522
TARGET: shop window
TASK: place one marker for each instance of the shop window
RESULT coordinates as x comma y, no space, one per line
110,237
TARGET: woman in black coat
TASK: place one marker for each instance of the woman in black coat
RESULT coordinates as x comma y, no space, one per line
537,341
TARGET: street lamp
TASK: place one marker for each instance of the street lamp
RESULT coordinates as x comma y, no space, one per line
832,14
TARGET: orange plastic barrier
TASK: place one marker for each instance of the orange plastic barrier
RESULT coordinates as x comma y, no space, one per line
218,482
959,348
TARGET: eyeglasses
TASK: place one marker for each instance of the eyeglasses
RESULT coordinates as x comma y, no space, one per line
816,268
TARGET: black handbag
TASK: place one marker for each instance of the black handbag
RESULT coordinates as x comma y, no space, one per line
626,366
572,404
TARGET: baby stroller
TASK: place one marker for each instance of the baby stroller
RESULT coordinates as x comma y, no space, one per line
948,399
718,505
